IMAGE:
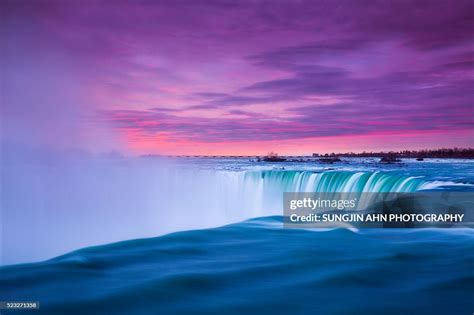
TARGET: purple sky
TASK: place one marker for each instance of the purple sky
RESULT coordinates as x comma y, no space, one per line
238,77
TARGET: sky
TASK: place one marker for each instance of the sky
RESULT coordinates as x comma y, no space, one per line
237,77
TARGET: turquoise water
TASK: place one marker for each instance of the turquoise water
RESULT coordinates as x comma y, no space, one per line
352,174
337,181
256,266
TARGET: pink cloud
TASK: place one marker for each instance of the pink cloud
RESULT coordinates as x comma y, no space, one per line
247,76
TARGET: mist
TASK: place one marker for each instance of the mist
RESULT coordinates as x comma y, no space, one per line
54,202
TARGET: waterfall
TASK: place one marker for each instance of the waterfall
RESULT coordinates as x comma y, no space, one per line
101,202
334,181
260,193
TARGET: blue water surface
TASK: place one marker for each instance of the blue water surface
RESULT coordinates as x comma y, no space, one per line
257,267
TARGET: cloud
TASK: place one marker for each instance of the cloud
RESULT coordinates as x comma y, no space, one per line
242,71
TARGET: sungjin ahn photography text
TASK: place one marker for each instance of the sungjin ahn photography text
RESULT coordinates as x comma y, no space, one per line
236,157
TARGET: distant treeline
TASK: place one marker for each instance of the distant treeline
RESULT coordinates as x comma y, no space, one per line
454,153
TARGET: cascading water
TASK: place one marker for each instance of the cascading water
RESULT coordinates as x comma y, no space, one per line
339,181
260,193
145,198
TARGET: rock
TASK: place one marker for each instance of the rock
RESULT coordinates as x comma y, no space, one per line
390,159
